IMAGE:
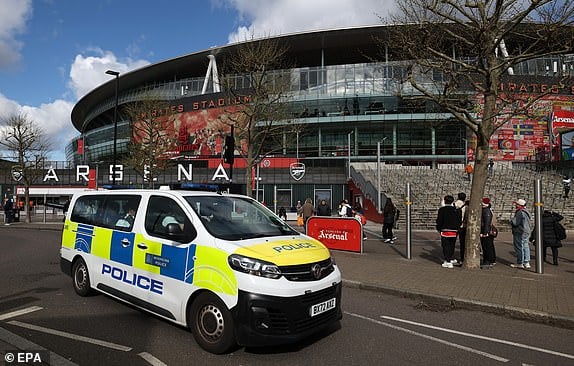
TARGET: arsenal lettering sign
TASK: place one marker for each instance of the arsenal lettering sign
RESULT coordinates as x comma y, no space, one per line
340,233
297,170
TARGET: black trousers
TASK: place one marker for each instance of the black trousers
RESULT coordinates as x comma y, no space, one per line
448,247
488,251
387,231
554,254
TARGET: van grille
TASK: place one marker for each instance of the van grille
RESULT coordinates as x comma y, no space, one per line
308,271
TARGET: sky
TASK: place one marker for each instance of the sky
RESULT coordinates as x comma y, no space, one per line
53,52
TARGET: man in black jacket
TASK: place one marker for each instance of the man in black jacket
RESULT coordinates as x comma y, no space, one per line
448,222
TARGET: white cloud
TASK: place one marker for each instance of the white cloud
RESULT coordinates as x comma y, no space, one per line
272,17
13,17
87,72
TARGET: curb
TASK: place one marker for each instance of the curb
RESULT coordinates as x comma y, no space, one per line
510,311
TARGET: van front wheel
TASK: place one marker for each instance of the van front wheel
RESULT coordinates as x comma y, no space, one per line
212,324
81,278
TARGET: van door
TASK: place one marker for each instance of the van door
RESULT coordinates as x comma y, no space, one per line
163,253
115,249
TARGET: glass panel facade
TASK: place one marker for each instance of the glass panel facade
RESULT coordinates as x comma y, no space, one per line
343,97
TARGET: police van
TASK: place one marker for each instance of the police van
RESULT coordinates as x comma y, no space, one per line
222,265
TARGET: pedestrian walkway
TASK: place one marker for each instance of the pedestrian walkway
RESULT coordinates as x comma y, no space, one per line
547,297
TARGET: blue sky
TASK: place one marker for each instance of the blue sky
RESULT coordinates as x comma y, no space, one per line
52,52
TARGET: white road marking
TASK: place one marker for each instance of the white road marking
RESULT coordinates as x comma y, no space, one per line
151,359
16,313
464,348
533,348
71,336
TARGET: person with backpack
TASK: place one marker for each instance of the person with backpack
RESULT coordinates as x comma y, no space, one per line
345,210
389,211
447,224
487,234
552,234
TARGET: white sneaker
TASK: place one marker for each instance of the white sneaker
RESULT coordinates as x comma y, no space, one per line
387,240
517,265
446,264
453,261
526,265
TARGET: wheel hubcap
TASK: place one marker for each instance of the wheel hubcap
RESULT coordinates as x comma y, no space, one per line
211,322
81,277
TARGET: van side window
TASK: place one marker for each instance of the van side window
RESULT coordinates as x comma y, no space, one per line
119,211
86,209
162,211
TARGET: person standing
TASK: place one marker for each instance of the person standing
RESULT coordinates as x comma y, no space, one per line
462,204
521,229
490,167
566,184
307,210
389,211
8,208
468,170
486,239
447,224
550,238
323,209
345,210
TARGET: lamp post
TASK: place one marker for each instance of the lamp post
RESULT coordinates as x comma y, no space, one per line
117,75
349,145
379,173
465,151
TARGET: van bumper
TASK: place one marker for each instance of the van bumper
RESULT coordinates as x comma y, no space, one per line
263,320
66,266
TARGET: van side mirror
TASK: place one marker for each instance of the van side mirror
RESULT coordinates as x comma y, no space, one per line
175,233
174,230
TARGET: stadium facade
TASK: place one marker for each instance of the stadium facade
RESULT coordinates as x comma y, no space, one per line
344,86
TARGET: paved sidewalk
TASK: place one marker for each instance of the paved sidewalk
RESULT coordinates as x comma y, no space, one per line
547,297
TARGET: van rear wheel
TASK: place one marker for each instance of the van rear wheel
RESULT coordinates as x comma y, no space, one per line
81,278
212,324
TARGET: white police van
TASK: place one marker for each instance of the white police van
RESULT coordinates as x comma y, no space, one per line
221,264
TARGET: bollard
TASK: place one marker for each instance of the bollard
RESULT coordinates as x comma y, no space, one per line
408,204
538,208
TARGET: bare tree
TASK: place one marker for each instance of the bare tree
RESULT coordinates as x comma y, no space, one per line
474,45
262,123
27,146
152,138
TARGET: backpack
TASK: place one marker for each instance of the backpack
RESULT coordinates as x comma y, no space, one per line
349,212
559,230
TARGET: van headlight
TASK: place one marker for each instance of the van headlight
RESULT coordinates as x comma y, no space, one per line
254,267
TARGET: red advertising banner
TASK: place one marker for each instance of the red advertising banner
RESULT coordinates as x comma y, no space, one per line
81,146
339,233
92,179
562,121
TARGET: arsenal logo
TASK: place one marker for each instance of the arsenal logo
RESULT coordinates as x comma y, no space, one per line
17,173
297,170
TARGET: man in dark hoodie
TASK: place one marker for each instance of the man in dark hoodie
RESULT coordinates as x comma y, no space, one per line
448,222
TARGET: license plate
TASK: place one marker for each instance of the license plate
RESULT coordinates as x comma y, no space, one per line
322,307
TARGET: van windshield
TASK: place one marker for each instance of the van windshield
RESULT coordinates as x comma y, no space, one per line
237,218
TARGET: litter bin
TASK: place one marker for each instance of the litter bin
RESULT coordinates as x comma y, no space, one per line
16,217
